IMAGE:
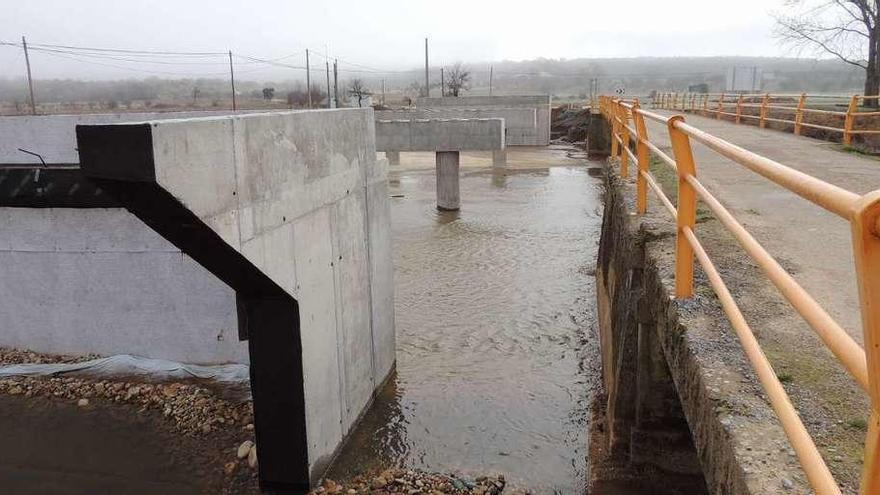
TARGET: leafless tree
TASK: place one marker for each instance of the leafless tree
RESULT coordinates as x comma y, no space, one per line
358,89
846,29
459,79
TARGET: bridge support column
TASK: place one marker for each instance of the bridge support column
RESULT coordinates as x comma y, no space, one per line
393,157
499,158
447,180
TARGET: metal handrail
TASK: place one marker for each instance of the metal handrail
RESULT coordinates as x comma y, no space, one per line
714,103
861,211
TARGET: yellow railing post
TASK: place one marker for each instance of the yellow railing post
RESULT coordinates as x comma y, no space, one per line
799,114
624,142
643,156
687,208
866,249
849,120
720,106
615,129
764,102
739,108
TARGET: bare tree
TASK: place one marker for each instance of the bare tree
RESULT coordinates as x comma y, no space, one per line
846,29
358,89
459,79
268,93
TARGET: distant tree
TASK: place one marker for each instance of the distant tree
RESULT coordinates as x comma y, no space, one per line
357,89
459,79
268,93
196,93
846,29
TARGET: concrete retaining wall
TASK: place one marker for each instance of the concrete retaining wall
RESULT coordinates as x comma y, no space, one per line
54,136
287,206
440,135
520,124
97,280
540,103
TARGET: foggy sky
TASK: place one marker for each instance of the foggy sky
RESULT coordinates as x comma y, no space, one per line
382,34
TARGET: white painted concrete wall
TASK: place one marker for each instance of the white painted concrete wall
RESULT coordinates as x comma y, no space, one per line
97,280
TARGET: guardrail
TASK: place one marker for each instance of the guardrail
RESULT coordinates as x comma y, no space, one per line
863,215
791,109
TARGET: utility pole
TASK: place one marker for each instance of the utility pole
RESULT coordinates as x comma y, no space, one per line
491,73
427,84
442,83
232,80
308,80
27,62
383,91
336,82
329,103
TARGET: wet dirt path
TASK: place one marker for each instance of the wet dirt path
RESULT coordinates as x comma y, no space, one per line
495,324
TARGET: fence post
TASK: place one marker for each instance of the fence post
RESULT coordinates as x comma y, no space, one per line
687,208
764,102
739,108
720,106
612,114
644,157
866,249
624,143
705,104
850,119
799,114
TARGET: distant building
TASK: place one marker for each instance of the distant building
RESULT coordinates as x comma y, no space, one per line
744,80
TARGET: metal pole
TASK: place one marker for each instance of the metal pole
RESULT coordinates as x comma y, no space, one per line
491,73
442,83
232,81
329,103
308,79
27,62
427,85
383,91
335,83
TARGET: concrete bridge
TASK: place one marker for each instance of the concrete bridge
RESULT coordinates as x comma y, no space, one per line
683,402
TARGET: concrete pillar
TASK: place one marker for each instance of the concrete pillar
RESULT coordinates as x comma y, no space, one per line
598,137
499,158
393,157
447,180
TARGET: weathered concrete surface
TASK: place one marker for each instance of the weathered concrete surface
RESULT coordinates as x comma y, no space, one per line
520,124
393,157
291,209
499,158
664,360
97,280
440,135
540,103
54,136
598,137
448,196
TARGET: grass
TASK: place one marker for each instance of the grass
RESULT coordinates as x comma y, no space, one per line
667,179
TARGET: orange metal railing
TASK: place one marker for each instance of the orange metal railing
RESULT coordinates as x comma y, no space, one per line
796,110
631,145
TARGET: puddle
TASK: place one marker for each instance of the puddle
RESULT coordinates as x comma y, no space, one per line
495,314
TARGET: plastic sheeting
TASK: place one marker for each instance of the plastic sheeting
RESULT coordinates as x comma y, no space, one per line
128,365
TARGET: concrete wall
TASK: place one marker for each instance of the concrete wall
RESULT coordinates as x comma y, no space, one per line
540,103
520,124
97,280
54,136
300,197
440,135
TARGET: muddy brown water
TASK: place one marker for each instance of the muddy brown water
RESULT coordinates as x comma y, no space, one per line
495,328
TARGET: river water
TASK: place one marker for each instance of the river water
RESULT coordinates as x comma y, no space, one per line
495,324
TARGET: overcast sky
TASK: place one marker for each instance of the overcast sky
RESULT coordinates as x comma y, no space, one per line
386,34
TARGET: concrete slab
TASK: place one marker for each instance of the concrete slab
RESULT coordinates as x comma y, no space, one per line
440,135
520,124
540,103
